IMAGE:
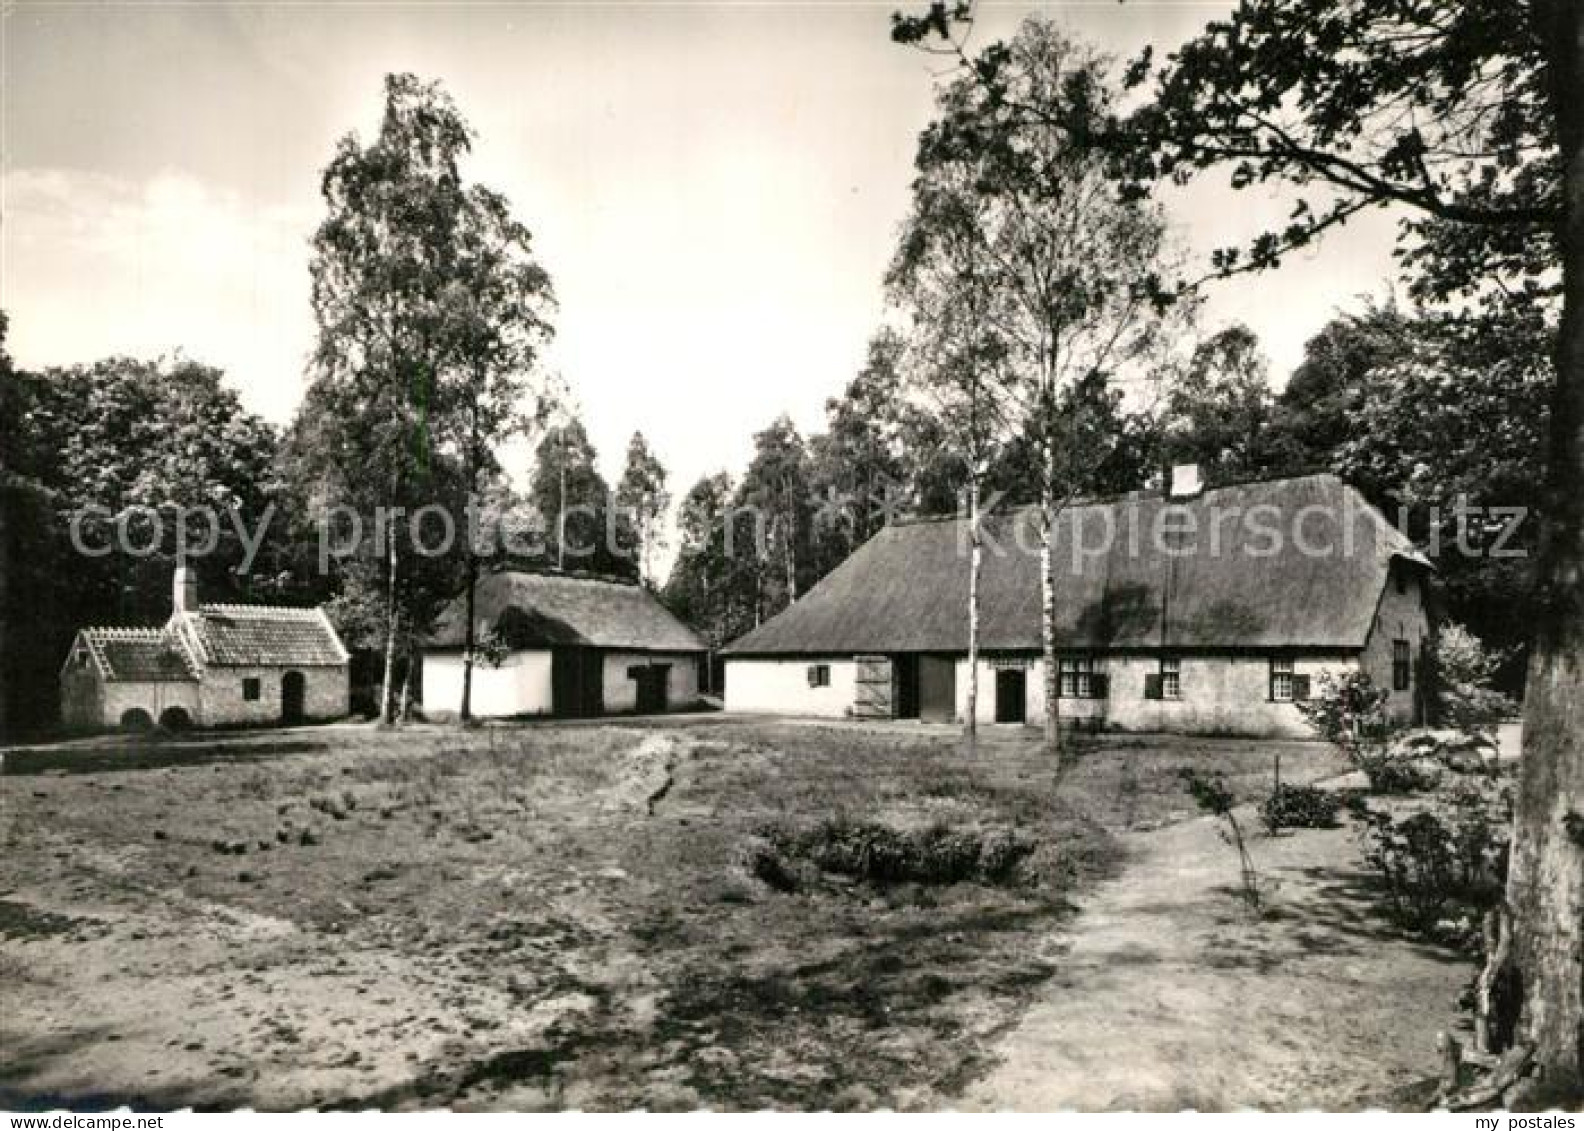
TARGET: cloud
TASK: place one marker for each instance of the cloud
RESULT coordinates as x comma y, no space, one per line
93,265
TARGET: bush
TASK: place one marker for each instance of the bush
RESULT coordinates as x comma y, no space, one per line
880,854
1299,807
1350,713
1463,669
1440,866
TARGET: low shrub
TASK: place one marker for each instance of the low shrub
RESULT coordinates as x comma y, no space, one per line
1441,865
1299,807
879,854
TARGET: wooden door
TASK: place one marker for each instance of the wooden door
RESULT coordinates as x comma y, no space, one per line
1011,689
905,682
937,681
293,693
873,693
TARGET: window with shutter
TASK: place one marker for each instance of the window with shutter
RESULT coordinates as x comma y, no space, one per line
1099,685
1152,685
1300,685
1281,679
1170,678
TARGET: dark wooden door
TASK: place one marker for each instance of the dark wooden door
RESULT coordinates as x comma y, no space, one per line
937,680
651,680
577,687
293,692
1011,704
905,679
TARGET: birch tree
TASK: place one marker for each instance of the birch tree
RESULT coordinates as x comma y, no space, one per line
1074,277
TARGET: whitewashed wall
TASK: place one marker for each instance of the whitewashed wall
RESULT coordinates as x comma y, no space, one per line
1400,616
621,690
519,686
781,687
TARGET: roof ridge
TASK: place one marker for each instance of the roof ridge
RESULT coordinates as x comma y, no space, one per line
291,610
126,632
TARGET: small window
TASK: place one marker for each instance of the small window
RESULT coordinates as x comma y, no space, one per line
1076,678
1171,678
1402,666
1281,680
819,675
250,689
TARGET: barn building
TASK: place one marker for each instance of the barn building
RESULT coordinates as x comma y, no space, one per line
209,665
570,645
1188,610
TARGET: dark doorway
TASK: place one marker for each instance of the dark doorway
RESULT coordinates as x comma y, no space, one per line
292,694
651,680
937,683
904,675
1011,696
577,684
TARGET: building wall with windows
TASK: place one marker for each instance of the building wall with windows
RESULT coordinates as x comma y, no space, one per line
1394,652
1216,694
821,687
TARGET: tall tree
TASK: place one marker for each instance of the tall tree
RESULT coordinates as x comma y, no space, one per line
1074,277
498,304
710,586
641,501
385,260
856,471
572,498
774,492
1471,118
1219,408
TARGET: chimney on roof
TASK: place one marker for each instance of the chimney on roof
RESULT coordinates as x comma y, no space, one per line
1185,482
184,590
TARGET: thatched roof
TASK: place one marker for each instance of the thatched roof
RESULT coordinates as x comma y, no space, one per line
1230,584
540,610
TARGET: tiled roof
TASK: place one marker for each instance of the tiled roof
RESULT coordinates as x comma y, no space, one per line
138,654
538,610
906,589
260,636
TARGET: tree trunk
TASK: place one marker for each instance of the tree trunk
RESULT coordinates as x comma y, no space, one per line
407,680
392,629
1545,880
975,563
470,637
1053,743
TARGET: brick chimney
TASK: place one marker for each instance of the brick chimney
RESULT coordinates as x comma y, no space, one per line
184,590
1185,482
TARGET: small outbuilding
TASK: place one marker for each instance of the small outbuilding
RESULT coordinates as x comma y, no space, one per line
209,665
569,645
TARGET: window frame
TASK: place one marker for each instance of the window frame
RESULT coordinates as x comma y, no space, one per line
1282,670
1170,672
1075,677
1402,665
819,675
252,689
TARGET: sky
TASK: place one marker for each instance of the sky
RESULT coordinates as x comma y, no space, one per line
715,190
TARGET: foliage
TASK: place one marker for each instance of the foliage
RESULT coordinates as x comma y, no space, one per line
1350,713
574,503
641,501
879,854
774,501
711,586
1213,796
1299,807
1463,669
1219,408
1445,864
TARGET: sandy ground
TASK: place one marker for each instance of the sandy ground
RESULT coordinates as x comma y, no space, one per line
554,917
1173,995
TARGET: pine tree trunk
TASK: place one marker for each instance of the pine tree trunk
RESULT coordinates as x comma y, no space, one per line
975,564
392,629
1545,880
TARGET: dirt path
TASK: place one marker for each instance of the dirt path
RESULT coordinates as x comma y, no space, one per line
1172,996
